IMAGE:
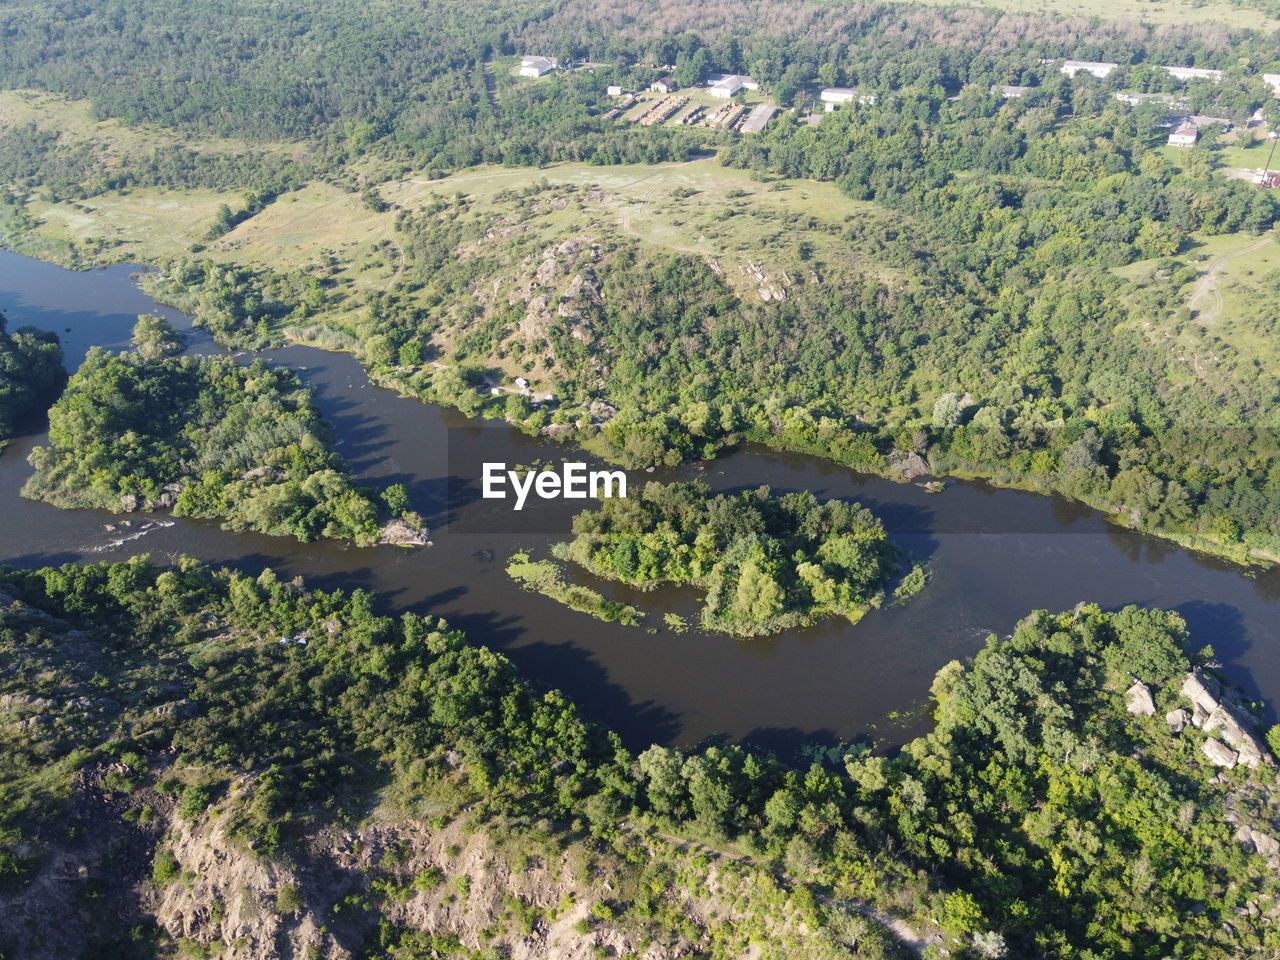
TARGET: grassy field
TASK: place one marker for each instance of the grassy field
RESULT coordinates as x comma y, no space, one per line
319,228
700,207
74,120
1151,11
1219,291
136,224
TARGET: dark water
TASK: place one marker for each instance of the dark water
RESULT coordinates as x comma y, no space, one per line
995,555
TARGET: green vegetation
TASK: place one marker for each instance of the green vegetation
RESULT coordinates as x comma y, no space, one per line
767,563
915,580
206,437
154,337
547,578
31,375
1039,814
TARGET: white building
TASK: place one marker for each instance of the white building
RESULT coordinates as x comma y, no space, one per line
1010,91
1185,136
1096,67
663,85
731,85
835,96
613,91
537,66
1193,73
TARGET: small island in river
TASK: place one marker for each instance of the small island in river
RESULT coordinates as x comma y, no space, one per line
767,563
206,437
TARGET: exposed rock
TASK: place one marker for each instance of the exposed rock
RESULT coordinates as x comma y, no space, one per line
1219,753
1177,720
556,429
258,473
1212,712
128,503
1265,844
1138,700
602,412
401,534
908,466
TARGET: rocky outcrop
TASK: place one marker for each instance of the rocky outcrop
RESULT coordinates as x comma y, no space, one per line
1219,754
1214,713
1259,842
908,466
1137,700
401,534
1177,720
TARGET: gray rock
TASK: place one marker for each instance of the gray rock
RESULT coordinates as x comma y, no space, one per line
1265,844
1177,720
1219,753
1138,700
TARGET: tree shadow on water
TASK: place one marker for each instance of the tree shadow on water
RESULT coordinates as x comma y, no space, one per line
577,673
1222,626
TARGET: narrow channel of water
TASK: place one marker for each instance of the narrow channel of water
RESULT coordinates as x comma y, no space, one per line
994,554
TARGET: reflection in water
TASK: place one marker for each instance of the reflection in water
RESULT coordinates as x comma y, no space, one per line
994,554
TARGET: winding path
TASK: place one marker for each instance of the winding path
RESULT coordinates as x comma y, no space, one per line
1208,285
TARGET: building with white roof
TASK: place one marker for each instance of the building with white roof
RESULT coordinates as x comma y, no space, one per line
731,85
1098,68
537,66
1193,73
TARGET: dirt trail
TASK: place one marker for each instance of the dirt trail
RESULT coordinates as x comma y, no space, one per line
1208,285
491,85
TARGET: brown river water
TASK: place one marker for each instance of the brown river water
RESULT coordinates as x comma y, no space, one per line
995,555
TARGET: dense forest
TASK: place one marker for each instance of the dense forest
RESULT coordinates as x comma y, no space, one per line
31,375
1046,817
767,563
206,437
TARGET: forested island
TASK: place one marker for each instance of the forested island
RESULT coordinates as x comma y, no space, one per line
767,563
203,437
219,738
31,375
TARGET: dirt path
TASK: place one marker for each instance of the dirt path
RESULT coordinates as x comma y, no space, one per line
491,86
1208,285
906,934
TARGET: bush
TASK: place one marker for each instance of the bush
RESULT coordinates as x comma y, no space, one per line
289,901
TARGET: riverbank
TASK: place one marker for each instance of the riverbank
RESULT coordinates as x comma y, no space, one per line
992,555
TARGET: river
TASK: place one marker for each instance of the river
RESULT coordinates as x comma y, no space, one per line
995,555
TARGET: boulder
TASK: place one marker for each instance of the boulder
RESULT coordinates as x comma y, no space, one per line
1200,690
1219,754
1138,700
1265,844
1177,720
402,534
1199,717
908,466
